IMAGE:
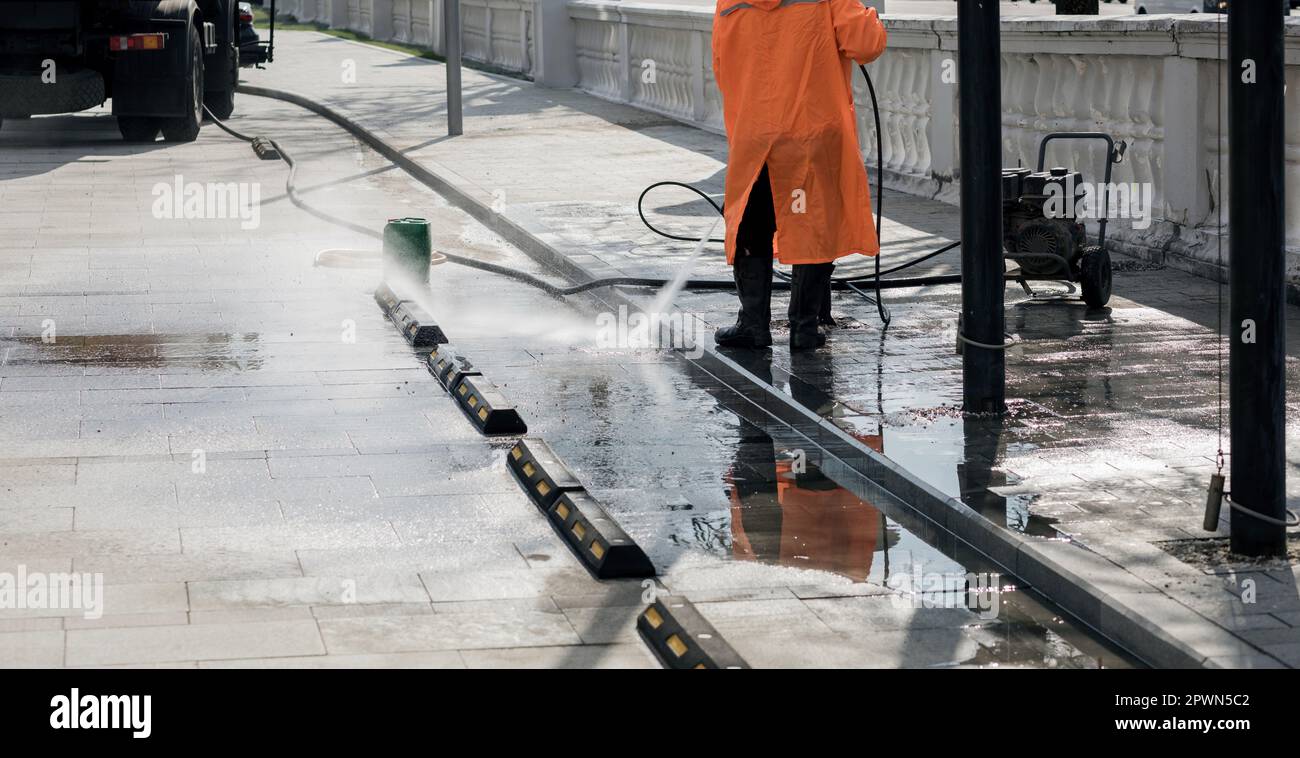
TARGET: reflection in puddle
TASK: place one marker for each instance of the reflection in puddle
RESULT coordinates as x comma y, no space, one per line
785,511
800,508
201,352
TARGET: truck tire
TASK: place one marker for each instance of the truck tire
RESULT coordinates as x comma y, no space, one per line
186,128
138,128
221,101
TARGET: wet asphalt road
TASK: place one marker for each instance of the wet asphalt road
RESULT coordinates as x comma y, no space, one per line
265,474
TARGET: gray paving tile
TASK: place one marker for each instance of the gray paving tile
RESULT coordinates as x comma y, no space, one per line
95,647
308,591
583,657
461,631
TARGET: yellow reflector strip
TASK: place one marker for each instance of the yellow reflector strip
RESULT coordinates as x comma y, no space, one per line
597,549
562,511
517,453
653,618
543,488
483,413
473,401
463,389
700,666
676,645
442,365
579,529
529,469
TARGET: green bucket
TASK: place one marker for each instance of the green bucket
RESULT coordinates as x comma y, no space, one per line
407,249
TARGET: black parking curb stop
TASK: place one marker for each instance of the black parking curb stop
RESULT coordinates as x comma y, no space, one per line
416,325
540,472
387,299
449,367
681,638
487,407
602,545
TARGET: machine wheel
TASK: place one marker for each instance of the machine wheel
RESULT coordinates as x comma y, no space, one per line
186,128
138,128
1094,276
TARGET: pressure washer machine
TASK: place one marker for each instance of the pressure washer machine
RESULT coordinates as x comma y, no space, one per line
1053,246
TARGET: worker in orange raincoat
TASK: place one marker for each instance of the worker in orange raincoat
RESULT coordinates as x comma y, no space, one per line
796,184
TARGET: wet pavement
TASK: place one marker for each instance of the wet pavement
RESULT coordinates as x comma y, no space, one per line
1111,430
264,474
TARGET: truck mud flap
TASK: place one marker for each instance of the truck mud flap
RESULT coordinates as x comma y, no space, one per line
29,95
152,83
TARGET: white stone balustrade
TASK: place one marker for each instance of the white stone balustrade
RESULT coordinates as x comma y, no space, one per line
497,33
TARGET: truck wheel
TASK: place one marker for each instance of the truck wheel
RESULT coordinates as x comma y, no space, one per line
186,128
138,128
222,102
1095,277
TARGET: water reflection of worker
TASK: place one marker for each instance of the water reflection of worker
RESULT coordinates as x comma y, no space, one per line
785,511
796,185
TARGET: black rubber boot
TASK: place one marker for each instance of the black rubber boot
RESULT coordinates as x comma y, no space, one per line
824,316
807,290
753,328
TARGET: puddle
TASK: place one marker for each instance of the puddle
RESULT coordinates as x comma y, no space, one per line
785,507
961,455
203,352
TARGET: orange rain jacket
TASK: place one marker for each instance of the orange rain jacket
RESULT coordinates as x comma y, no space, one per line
784,68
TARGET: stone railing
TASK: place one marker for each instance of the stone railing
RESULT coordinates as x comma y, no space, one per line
496,33
1149,81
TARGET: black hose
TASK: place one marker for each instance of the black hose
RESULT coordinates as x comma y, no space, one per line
432,181
292,193
885,316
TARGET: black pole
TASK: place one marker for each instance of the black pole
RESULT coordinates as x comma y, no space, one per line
1078,7
982,319
1257,220
451,24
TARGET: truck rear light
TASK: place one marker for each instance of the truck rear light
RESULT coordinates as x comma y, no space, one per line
122,43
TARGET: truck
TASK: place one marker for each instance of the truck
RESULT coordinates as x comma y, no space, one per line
160,62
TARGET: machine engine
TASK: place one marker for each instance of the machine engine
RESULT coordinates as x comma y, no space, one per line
1045,242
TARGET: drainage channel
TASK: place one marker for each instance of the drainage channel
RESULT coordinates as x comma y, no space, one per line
758,528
